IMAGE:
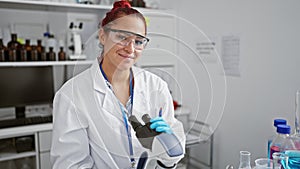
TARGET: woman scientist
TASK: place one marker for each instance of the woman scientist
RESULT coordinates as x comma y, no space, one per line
91,110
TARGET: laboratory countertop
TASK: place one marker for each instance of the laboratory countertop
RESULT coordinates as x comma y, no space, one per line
24,130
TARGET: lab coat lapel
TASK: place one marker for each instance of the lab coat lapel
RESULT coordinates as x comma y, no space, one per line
106,97
140,101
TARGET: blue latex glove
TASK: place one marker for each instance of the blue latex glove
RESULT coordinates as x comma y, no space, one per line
159,124
294,159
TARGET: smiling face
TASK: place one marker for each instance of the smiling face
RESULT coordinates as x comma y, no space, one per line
122,55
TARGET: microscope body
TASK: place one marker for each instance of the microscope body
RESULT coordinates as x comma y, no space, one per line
163,150
76,46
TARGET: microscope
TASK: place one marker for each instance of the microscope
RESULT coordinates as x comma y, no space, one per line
75,41
164,150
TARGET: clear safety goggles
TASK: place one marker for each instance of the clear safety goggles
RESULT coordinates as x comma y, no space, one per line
124,38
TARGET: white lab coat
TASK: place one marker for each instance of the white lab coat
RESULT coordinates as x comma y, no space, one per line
88,127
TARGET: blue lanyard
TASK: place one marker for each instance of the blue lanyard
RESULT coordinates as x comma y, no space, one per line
123,111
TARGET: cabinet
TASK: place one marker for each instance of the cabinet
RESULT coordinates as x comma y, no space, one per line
35,149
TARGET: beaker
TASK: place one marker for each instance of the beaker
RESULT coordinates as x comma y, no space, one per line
280,160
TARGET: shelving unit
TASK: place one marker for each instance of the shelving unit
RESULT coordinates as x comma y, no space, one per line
52,6
47,63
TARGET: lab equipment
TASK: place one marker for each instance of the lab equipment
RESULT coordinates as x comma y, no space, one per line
280,160
75,39
291,148
271,138
293,159
159,124
297,114
165,145
245,158
265,163
283,132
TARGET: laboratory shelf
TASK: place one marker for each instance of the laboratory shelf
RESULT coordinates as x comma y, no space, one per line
13,156
52,6
46,63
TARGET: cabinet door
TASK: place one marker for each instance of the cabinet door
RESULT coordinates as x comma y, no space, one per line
45,141
45,160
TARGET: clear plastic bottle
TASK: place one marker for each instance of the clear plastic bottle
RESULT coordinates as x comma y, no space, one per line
245,159
283,132
271,138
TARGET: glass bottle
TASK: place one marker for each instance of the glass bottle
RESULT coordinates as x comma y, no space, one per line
12,54
283,132
2,51
297,114
28,47
39,48
34,54
271,138
61,54
245,160
13,48
51,54
13,41
23,53
43,55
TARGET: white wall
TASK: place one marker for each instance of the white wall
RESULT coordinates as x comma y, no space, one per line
269,68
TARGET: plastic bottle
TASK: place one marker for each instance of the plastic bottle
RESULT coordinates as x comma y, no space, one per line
245,160
283,132
271,138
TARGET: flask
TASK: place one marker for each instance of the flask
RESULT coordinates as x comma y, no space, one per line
2,51
283,132
245,160
271,138
61,54
51,54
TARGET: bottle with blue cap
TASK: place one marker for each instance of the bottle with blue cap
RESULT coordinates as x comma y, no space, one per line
283,132
271,138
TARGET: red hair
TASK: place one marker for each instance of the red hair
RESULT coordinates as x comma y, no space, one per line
120,9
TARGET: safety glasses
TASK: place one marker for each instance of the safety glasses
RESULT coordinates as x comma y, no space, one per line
124,38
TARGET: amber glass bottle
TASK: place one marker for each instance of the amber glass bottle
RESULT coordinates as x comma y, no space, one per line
2,51
61,54
13,48
51,54
28,48
43,55
39,48
23,53
34,54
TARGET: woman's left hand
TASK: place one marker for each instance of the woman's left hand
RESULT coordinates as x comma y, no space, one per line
160,125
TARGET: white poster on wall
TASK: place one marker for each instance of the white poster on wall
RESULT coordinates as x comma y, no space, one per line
231,55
